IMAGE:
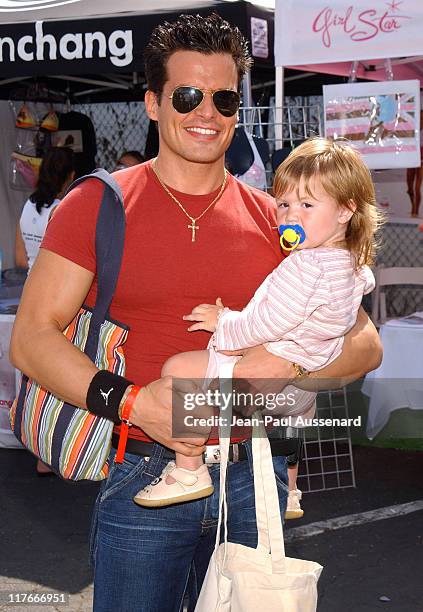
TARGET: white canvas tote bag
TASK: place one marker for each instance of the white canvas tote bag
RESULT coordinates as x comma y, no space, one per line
244,579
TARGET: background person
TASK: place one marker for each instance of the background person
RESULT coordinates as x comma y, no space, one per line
55,175
414,184
129,159
414,178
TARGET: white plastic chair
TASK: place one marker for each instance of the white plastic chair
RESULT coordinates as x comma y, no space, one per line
387,277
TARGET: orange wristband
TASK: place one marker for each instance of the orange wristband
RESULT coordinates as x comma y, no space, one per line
125,424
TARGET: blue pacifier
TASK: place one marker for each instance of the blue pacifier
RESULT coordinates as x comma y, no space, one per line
293,235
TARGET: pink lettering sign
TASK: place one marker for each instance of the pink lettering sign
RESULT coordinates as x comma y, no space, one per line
358,26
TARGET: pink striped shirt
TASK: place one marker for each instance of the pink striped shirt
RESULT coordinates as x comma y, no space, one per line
302,310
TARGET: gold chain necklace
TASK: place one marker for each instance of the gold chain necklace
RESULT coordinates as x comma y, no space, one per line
193,227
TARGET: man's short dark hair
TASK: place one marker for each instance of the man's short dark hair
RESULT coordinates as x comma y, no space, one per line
206,35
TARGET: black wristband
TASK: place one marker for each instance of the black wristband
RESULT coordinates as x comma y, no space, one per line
105,393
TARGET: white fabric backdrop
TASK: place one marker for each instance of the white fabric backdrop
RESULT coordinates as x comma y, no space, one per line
398,382
315,33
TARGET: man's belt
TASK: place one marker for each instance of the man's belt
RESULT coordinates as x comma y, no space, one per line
237,452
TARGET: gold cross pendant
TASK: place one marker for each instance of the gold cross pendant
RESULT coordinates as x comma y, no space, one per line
193,227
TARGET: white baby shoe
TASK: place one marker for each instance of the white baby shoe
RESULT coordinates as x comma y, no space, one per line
187,485
293,506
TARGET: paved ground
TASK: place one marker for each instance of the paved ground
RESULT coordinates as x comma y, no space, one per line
370,566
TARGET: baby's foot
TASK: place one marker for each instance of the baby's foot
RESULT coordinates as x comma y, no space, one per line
187,485
293,507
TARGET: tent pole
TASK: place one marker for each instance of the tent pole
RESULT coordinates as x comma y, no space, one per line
279,96
14,80
388,70
247,97
90,81
353,72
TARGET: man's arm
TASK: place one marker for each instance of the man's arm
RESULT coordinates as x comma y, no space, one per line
53,294
361,353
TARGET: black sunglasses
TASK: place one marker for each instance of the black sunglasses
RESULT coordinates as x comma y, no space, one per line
186,98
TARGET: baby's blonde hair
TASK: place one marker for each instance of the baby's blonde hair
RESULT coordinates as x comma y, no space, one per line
346,178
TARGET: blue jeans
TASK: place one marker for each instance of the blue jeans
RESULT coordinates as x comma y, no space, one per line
146,559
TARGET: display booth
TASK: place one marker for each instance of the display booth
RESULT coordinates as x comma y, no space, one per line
85,49
338,38
374,40
93,51
334,34
380,41
97,41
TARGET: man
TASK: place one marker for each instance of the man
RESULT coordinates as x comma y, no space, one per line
192,234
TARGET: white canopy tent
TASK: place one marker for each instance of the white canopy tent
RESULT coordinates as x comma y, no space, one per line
59,20
82,38
12,11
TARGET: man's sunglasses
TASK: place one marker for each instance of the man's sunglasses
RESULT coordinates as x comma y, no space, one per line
186,98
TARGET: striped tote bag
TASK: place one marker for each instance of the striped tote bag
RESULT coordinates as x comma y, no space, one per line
73,442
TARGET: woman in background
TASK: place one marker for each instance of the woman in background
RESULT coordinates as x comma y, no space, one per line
415,176
55,176
414,183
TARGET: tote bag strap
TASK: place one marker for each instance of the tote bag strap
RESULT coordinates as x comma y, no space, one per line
225,382
268,515
268,518
109,241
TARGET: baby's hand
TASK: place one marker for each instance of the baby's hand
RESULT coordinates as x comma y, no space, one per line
206,315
